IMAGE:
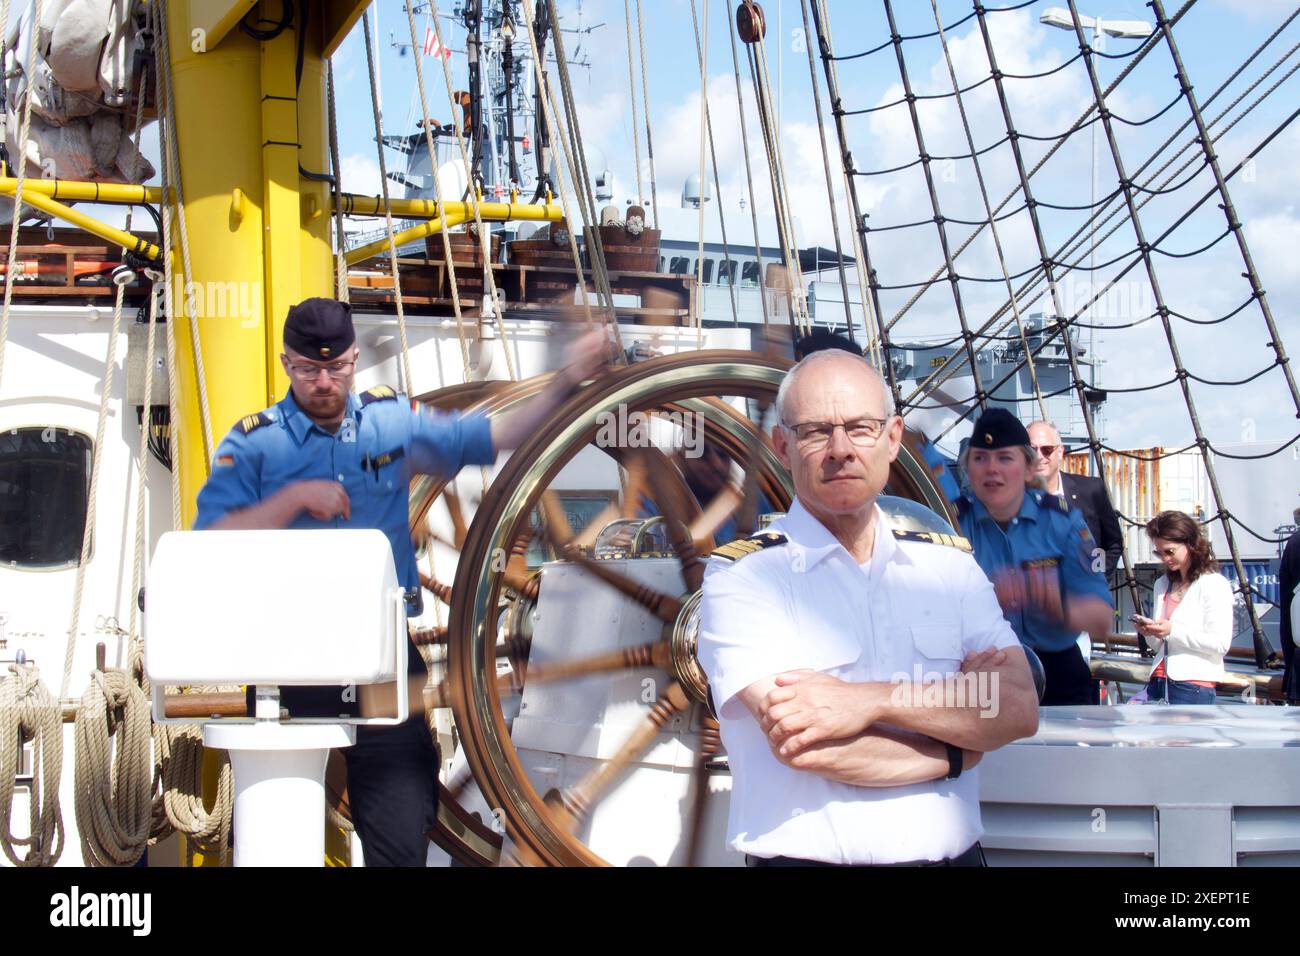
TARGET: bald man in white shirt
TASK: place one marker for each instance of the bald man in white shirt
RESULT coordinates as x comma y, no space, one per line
860,672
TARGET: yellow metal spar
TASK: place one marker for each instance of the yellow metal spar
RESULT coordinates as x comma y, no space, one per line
453,214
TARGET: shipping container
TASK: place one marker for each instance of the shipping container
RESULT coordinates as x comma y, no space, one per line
1145,481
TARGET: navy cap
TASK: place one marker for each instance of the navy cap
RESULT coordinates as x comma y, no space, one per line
998,428
821,339
320,329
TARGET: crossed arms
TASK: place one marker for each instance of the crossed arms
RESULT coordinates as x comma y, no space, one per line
887,734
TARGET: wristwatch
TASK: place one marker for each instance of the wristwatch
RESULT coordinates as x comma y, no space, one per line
954,761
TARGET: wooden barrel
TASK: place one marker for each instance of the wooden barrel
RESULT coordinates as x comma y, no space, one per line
466,257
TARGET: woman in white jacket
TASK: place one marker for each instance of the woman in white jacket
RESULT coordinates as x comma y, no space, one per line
1191,624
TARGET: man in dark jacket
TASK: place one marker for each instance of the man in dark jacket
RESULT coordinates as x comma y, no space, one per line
1088,495
1288,576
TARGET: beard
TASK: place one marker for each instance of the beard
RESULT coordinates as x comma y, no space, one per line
324,405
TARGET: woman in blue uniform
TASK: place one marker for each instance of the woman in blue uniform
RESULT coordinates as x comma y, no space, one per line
1039,554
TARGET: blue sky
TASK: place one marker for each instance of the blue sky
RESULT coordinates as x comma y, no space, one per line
1214,37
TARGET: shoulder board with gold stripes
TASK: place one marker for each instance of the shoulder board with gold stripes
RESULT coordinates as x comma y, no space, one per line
933,537
250,422
738,549
380,393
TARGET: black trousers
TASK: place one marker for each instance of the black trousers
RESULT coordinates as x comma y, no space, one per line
972,857
1069,681
393,791
392,776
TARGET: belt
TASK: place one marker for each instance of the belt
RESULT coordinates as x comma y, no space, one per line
971,857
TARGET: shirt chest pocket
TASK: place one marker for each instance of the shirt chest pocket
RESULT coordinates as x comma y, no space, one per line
828,645
937,647
385,469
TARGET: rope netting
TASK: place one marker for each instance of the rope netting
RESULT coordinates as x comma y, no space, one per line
1041,269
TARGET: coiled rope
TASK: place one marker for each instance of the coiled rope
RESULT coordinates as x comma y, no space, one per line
29,713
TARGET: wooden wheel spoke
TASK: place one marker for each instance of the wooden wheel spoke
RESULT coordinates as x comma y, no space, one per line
710,745
747,516
439,590
669,498
557,529
459,527
574,803
717,511
654,654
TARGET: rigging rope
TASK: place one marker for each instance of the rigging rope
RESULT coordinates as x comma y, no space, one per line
781,196
749,181
878,344
717,184
20,167
988,209
341,291
426,124
29,713
490,291
171,156
826,169
631,86
407,385
550,117
704,185
645,102
951,268
1139,55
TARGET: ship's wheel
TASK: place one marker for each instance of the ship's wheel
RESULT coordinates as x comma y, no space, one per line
578,700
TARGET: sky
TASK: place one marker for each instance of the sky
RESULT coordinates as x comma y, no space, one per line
1214,37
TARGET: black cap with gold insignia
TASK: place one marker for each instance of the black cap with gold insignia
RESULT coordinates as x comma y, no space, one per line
998,428
320,329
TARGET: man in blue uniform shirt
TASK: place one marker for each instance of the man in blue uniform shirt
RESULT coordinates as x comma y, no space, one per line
1037,551
323,457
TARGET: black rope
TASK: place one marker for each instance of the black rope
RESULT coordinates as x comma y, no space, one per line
1067,208
992,398
1253,533
1222,318
1142,388
1165,191
933,33
1244,381
1080,267
921,159
1038,76
1060,136
1281,448
903,99
953,219
1121,56
1153,117
1195,252
1124,453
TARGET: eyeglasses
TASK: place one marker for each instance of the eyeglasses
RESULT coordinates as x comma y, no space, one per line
308,373
1047,451
814,436
1167,552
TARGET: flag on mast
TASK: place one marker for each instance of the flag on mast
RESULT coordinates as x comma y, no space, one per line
433,46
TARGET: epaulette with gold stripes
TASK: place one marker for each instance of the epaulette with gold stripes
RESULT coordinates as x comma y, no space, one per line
250,422
738,549
380,393
933,537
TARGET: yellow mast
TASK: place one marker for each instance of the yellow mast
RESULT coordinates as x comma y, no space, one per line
259,231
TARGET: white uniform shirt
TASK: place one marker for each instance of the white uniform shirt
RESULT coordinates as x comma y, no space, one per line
915,609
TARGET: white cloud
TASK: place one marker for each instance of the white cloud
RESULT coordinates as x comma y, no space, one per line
361,175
